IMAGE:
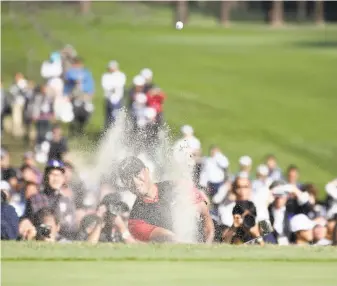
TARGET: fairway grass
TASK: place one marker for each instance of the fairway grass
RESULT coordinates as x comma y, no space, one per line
250,89
81,264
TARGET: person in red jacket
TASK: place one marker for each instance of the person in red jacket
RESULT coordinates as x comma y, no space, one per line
155,99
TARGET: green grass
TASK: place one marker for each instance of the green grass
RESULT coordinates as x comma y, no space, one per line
81,264
251,89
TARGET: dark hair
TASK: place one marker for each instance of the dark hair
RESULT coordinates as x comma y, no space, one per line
123,207
311,189
42,214
130,167
235,184
243,206
292,167
56,126
68,165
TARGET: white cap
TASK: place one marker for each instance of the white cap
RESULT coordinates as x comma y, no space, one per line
113,65
301,222
187,130
262,170
138,80
4,186
245,161
146,73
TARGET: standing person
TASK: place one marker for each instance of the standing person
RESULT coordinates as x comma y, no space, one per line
43,113
147,74
113,83
151,215
245,165
214,171
58,145
275,172
80,87
293,175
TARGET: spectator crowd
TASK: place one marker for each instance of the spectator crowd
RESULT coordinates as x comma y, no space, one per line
57,206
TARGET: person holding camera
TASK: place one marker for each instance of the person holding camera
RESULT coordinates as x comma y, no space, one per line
51,197
47,226
108,224
244,227
151,218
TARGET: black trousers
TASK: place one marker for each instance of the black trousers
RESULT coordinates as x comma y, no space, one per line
42,128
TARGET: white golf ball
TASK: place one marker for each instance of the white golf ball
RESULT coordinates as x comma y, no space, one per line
179,25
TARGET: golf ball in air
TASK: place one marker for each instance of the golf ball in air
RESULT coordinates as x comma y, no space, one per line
179,25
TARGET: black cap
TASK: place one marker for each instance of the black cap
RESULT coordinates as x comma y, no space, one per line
129,168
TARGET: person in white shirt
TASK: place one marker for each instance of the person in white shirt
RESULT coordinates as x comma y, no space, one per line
113,83
261,196
245,165
275,173
214,170
51,71
320,232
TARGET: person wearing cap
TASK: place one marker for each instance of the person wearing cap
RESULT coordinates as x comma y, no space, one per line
138,83
113,84
147,74
302,227
52,197
151,218
245,166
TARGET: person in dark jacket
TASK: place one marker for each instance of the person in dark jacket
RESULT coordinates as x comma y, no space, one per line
9,218
51,197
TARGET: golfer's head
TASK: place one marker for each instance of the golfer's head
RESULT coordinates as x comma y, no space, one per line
135,175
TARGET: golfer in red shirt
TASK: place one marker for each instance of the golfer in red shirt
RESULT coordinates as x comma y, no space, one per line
151,216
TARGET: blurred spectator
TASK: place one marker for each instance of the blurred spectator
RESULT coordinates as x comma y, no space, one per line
245,165
244,227
68,54
293,176
214,171
113,83
29,160
7,171
302,227
43,113
137,88
18,97
147,74
275,173
331,201
47,226
261,195
58,145
80,88
52,197
30,190
5,106
155,100
51,72
191,145
320,232
9,218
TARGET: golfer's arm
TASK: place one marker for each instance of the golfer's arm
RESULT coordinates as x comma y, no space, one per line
122,228
208,222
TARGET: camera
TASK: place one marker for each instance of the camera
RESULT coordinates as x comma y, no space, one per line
43,230
247,210
114,209
249,221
